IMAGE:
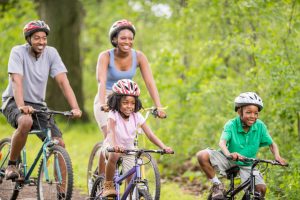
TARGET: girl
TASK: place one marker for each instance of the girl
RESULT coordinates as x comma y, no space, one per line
123,120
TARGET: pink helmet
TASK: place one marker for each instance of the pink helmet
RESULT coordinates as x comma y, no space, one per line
35,26
118,26
126,87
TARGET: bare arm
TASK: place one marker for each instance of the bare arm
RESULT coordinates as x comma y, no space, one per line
102,65
275,151
68,92
17,85
154,139
149,81
226,152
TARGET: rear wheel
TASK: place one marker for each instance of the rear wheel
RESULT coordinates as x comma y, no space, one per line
55,176
151,176
8,189
92,170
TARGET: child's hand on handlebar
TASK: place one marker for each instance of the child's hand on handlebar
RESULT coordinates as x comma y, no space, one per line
281,160
236,156
168,150
119,149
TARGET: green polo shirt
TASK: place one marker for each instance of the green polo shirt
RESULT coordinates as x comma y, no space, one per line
246,144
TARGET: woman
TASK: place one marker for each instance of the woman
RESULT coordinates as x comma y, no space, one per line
118,63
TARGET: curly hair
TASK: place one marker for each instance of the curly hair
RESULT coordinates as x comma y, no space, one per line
114,102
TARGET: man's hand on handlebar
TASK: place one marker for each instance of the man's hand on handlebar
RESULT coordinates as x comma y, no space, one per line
26,109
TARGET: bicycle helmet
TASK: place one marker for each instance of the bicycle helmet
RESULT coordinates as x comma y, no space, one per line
117,27
126,87
35,26
248,98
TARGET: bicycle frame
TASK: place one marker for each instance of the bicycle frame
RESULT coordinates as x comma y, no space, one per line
136,170
42,152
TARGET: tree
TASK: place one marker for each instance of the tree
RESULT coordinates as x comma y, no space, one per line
64,18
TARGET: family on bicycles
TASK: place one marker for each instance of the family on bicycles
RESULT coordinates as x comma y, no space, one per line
117,106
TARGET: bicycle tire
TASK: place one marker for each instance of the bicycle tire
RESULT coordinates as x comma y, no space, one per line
151,175
8,189
92,170
48,189
97,187
144,195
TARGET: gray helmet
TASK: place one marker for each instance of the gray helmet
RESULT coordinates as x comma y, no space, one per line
248,98
117,27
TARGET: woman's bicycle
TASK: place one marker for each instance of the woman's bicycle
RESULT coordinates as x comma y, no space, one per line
55,174
137,188
249,185
149,170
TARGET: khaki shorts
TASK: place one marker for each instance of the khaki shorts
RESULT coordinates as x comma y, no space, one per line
221,164
128,161
101,116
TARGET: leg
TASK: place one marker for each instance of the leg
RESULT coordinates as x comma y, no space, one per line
109,188
261,188
204,162
101,163
18,141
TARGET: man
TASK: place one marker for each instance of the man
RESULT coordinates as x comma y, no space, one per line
29,67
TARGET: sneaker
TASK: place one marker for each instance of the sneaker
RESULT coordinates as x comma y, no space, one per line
217,191
109,189
11,172
61,196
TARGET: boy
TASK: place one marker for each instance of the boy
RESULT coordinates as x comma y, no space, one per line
242,136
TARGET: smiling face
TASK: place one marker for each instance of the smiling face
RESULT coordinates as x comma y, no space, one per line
127,106
248,114
124,40
38,42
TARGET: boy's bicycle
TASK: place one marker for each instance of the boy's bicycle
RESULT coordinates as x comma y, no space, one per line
149,170
55,174
137,188
249,185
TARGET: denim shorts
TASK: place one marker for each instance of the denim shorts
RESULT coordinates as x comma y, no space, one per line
12,114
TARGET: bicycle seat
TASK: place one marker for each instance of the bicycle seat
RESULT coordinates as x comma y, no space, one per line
232,171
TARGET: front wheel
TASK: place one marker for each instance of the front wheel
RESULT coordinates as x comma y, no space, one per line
8,189
55,176
150,175
143,195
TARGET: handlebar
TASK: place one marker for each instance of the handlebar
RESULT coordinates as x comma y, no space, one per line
154,111
53,112
139,151
257,160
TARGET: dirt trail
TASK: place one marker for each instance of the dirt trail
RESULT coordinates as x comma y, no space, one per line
29,193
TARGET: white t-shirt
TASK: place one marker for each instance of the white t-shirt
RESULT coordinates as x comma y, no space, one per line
125,130
35,72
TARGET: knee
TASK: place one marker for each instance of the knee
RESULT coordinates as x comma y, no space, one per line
202,157
261,188
25,123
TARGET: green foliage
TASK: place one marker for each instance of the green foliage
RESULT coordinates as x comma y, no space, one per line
202,56
13,17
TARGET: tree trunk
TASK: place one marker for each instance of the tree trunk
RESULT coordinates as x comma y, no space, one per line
64,18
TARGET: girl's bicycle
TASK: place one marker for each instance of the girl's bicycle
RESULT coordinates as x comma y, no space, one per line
149,170
137,188
249,185
55,174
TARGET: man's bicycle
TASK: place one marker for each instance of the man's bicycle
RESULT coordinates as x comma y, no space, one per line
249,185
137,188
55,174
149,170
